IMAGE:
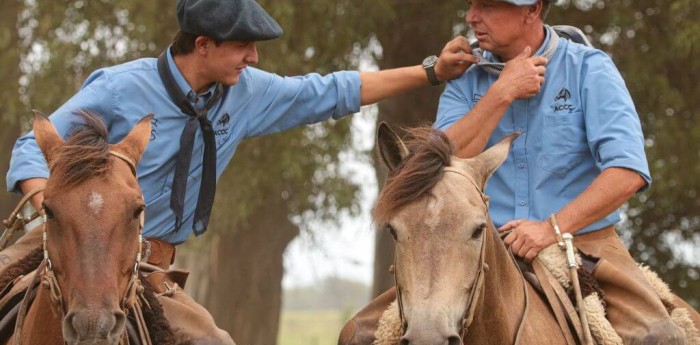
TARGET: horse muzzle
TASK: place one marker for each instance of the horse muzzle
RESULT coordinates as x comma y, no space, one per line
94,327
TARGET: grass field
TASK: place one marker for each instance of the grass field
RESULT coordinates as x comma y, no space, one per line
312,327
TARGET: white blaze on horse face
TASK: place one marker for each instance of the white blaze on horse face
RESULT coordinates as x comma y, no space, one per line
95,203
432,216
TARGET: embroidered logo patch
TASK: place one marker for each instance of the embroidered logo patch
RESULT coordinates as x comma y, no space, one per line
561,101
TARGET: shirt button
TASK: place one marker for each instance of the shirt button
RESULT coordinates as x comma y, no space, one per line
521,165
522,202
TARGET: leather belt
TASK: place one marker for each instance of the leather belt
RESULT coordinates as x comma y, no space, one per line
162,254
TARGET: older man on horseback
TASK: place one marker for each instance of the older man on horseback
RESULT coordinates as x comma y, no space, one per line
203,82
579,157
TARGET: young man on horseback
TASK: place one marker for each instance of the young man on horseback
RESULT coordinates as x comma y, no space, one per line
579,157
203,81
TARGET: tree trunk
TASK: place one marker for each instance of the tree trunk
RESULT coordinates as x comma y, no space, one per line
8,135
245,295
10,127
414,35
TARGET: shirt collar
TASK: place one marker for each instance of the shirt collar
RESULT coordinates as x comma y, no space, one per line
182,83
492,58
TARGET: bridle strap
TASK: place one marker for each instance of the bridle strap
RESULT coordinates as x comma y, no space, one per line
483,267
126,160
134,290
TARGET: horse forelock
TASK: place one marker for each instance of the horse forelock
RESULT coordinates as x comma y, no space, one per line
430,151
84,155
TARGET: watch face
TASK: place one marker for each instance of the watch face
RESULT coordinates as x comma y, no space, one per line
430,61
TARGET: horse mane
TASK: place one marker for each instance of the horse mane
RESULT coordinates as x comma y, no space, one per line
85,154
429,152
158,326
24,266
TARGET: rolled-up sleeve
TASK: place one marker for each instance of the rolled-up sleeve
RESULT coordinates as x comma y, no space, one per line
28,161
613,129
454,104
280,103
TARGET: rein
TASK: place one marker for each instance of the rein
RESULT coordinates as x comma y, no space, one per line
478,285
134,290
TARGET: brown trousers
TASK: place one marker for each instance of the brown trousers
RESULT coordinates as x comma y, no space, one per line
188,319
633,308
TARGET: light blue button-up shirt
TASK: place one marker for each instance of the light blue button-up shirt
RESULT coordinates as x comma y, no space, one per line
582,122
260,103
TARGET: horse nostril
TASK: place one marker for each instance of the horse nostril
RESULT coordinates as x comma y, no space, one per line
454,340
119,324
69,332
403,342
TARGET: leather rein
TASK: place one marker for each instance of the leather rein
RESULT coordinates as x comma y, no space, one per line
478,285
134,289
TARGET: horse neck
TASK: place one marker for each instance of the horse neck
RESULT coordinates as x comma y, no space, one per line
42,324
502,298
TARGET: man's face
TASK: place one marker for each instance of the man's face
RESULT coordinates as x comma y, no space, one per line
226,62
496,24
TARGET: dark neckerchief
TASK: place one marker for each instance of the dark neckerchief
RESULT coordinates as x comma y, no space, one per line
184,156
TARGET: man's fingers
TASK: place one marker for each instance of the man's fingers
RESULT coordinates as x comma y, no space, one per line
508,225
522,252
541,70
531,254
510,238
517,245
525,53
539,60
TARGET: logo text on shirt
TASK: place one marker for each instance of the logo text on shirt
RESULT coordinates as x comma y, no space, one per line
154,128
561,101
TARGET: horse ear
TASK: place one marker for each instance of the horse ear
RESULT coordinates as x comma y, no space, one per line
46,135
391,147
134,144
488,161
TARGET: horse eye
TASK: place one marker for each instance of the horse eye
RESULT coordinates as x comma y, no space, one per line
391,230
479,231
47,211
138,211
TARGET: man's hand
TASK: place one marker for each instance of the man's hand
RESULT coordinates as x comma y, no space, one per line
30,184
455,58
527,238
523,76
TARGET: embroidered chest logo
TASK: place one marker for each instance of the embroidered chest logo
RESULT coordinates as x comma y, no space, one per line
154,129
222,125
562,101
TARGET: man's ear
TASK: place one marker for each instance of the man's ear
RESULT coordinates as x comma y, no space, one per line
46,135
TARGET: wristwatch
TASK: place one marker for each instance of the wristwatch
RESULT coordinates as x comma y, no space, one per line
429,66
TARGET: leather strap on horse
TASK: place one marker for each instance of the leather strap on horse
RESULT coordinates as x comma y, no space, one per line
26,301
15,221
554,302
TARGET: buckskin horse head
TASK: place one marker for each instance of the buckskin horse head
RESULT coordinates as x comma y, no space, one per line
93,218
456,282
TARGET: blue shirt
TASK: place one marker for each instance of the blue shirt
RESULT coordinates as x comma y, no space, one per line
260,103
581,122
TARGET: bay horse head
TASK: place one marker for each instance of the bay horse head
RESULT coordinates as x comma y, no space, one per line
93,217
434,207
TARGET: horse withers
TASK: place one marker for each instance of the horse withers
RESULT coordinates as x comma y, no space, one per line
93,209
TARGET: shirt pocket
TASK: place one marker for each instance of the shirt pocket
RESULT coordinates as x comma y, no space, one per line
564,142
